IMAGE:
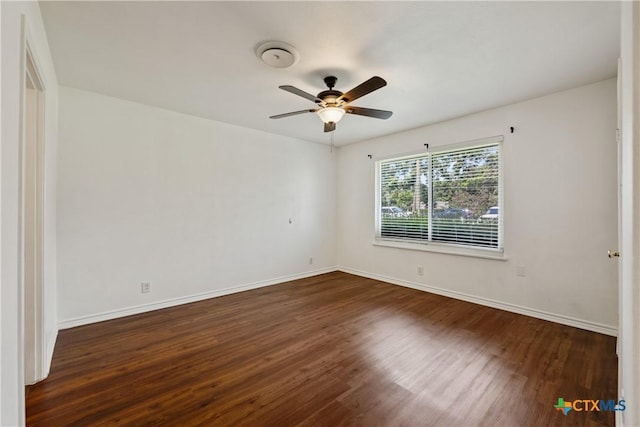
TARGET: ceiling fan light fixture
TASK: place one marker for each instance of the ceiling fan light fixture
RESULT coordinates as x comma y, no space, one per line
331,114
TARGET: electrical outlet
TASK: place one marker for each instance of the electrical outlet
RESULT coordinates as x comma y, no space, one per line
420,271
145,287
310,260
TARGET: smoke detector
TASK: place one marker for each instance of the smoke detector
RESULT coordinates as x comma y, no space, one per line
278,54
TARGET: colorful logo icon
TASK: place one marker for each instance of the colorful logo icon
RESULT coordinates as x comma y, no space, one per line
563,406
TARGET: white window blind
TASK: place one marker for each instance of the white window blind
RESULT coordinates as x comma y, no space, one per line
449,196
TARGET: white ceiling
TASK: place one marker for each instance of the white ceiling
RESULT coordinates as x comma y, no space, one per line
441,59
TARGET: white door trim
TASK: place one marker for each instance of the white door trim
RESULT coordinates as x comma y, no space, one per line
629,280
32,215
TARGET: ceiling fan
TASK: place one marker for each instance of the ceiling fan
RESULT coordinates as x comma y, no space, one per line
333,104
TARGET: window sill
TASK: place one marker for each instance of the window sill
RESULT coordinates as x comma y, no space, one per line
443,249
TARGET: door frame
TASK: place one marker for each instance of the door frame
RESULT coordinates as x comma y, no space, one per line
629,228
31,221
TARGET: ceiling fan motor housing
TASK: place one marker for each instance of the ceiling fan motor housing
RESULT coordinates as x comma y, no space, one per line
329,96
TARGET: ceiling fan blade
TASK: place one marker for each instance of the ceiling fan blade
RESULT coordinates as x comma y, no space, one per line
369,112
293,113
329,127
294,90
374,83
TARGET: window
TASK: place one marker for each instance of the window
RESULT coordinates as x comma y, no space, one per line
450,196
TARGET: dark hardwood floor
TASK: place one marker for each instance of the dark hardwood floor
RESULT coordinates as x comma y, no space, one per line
331,350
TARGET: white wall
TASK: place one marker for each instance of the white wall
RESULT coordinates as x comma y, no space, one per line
11,357
560,210
196,207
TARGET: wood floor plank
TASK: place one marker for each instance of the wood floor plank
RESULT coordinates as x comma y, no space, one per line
330,350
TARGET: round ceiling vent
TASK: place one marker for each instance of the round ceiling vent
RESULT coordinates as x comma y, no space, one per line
278,54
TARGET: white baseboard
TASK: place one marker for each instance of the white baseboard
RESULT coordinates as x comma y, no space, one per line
143,308
531,312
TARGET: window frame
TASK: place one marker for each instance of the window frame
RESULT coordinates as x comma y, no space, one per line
437,246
